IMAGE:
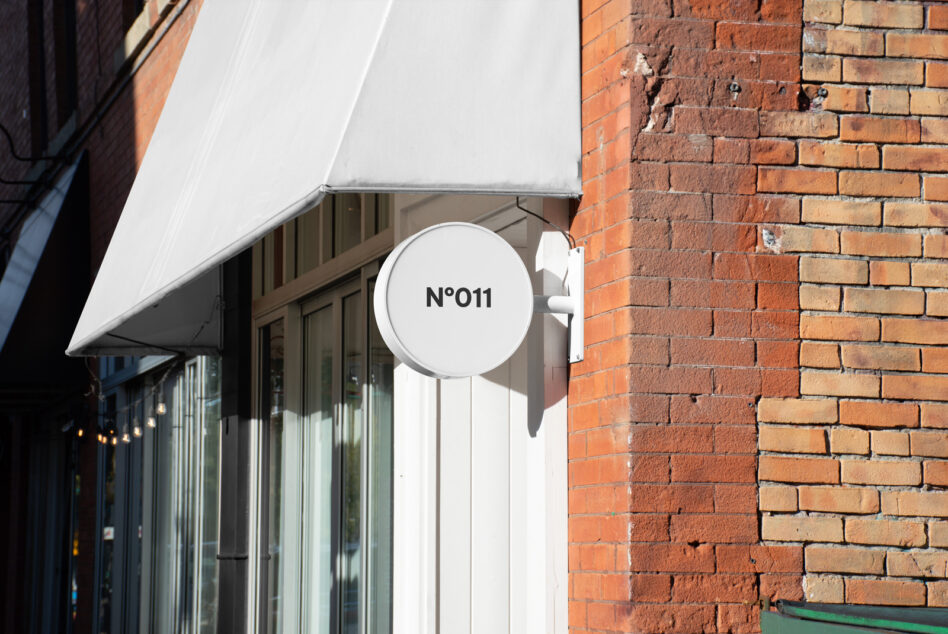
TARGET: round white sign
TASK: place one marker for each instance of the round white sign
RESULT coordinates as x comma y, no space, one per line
453,300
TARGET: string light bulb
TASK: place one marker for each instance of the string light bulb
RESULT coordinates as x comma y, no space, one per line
150,422
114,441
79,432
136,428
125,437
100,438
161,408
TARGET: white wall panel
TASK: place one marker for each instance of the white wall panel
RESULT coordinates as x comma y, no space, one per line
481,462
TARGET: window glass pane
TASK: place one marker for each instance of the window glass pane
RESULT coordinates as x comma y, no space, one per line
317,471
351,543
167,548
381,364
347,222
107,537
209,409
272,402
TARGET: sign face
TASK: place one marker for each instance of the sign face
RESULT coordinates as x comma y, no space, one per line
453,300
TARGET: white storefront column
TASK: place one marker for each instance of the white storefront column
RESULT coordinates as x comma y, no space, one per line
480,465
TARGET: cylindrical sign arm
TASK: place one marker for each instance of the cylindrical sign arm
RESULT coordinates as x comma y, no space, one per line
571,305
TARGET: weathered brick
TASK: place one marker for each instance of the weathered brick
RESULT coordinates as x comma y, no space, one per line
880,357
885,591
917,564
938,17
866,300
930,274
885,532
796,239
916,214
858,561
909,503
882,14
826,11
712,468
810,470
826,154
833,384
932,388
849,440
936,246
718,179
934,415
840,42
759,558
916,45
757,37
833,271
826,68
879,129
937,304
841,212
840,98
928,102
935,360
932,444
890,443
934,130
824,588
819,355
886,472
798,124
839,500
889,101
841,328
865,70
936,187
819,297
798,181
927,331
878,184
777,498
887,245
673,147
938,534
889,273
936,75
791,439
801,529
915,159
731,122
651,557
876,414
793,410
772,152
937,593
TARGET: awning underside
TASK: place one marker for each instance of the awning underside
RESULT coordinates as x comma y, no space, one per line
277,102
29,248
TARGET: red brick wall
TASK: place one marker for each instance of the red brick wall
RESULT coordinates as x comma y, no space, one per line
740,223
857,469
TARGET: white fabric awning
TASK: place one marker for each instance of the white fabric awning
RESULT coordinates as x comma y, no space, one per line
277,102
29,248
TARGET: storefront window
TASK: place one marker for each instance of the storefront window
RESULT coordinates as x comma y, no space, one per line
159,461
328,498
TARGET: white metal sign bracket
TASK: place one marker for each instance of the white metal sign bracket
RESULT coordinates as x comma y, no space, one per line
572,304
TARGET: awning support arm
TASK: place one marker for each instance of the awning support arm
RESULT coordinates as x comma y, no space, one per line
572,304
